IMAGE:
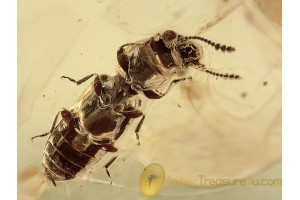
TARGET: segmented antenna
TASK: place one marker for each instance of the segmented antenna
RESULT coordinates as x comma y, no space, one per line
218,74
217,46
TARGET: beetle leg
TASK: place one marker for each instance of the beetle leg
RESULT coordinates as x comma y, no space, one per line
155,94
51,129
134,114
106,166
42,135
137,130
79,81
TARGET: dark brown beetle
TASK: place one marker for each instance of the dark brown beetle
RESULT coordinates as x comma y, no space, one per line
89,129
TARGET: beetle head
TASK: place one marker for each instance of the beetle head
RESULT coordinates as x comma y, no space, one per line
170,38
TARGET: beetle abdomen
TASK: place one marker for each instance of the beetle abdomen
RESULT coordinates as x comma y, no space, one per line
62,161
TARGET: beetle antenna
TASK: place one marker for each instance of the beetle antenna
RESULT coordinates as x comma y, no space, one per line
218,74
217,46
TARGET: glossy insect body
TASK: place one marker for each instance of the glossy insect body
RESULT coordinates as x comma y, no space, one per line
89,129
155,64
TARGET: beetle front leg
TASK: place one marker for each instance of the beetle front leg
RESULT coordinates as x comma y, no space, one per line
79,81
155,94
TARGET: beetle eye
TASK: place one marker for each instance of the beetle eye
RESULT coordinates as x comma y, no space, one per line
170,38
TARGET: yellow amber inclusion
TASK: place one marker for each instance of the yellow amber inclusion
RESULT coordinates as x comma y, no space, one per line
152,179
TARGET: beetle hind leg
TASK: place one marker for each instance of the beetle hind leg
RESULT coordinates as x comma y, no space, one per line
108,164
111,149
137,129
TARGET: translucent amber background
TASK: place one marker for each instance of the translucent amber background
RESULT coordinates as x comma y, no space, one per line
216,128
